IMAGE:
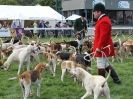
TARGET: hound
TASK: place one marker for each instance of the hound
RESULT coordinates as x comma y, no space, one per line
63,55
72,43
66,55
28,78
93,83
67,65
22,55
84,59
51,62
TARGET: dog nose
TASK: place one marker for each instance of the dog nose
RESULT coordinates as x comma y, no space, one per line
39,48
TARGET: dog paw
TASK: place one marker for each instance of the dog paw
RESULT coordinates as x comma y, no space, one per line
31,94
53,74
5,69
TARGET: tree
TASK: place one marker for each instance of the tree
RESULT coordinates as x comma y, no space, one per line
58,5
45,2
26,2
8,2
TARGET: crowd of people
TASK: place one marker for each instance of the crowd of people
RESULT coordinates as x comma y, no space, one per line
41,32
45,24
4,25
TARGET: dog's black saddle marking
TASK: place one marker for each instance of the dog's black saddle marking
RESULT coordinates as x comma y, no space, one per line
34,75
63,56
80,59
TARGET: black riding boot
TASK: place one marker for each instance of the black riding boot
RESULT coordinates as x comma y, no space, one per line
113,74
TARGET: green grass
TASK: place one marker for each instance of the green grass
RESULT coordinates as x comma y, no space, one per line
53,88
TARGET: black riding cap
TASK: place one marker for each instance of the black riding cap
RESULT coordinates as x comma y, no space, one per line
99,7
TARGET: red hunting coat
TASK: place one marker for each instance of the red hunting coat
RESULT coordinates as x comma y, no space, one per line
103,37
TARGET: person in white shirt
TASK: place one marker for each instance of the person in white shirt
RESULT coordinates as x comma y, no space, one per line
35,27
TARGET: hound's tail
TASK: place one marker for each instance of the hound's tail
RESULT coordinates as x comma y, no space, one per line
13,78
64,41
21,76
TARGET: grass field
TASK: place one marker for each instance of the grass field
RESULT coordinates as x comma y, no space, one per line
53,88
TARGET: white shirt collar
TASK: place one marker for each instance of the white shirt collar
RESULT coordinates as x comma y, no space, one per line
101,16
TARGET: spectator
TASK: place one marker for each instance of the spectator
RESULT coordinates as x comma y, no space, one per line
65,25
48,32
41,32
13,25
0,25
5,25
103,39
66,32
80,25
28,33
35,27
47,24
58,25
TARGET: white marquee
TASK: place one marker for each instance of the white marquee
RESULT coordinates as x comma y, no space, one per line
29,13
73,17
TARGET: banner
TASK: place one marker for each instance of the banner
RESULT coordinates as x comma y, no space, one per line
5,32
124,4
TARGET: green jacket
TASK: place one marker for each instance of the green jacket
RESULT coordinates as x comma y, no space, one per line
80,25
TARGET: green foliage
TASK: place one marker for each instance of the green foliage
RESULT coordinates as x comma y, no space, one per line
27,2
57,5
45,2
8,2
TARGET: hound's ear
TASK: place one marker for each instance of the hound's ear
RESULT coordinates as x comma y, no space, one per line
44,65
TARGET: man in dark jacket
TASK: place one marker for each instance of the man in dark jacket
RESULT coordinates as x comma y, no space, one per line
41,25
80,24
57,25
80,28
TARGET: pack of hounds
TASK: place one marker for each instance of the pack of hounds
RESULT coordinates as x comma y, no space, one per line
66,54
